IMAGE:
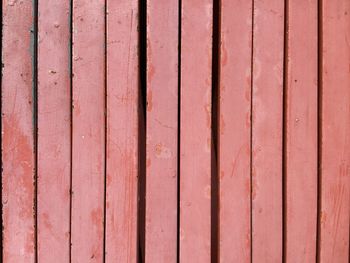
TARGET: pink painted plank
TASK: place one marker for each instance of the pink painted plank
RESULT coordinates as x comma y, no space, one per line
53,132
335,145
17,133
267,131
88,130
234,130
162,115
301,133
195,131
122,132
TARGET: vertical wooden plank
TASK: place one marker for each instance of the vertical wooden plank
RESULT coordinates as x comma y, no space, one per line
54,107
161,145
235,130
195,131
301,133
267,130
17,133
122,131
88,130
335,144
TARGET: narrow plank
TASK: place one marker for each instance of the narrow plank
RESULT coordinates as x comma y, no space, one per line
195,131
301,133
335,130
54,107
235,130
88,131
161,145
122,132
17,133
267,111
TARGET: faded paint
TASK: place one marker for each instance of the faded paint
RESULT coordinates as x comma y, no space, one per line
17,135
54,142
195,152
301,132
122,131
161,129
88,131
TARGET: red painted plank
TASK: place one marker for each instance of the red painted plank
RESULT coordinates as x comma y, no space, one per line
195,131
162,115
122,131
335,145
53,132
234,138
301,133
17,133
267,131
88,130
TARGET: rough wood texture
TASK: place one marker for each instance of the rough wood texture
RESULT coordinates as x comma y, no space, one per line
122,131
335,131
269,182
195,131
88,130
162,131
267,98
54,109
301,133
235,130
17,134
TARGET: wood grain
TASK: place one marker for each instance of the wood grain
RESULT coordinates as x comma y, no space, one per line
335,132
267,111
54,124
195,131
122,131
301,133
235,130
88,160
162,131
17,134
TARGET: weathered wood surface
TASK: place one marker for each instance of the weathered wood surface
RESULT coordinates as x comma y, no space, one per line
17,133
175,131
267,111
162,131
54,137
300,154
235,131
195,131
335,132
122,131
88,131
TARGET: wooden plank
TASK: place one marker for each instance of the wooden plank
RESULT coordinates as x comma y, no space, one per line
195,131
17,133
122,132
88,131
235,130
161,145
335,130
267,114
301,133
54,108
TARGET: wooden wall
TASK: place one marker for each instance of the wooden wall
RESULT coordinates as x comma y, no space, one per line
175,131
